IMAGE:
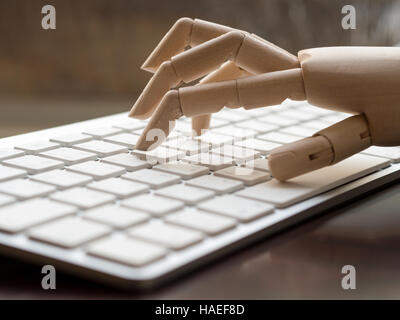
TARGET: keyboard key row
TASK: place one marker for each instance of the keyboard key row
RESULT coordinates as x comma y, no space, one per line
212,161
248,176
20,216
62,179
119,187
182,169
102,132
69,156
239,154
261,146
259,164
124,139
82,197
314,183
159,155
205,222
173,237
25,189
260,127
69,232
217,184
116,216
185,193
34,164
7,173
97,170
126,250
127,160
37,147
236,132
188,146
242,209
153,178
69,140
101,148
10,153
155,205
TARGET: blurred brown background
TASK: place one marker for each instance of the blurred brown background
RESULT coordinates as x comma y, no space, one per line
90,65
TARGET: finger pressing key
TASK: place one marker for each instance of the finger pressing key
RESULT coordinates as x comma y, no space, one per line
252,92
162,121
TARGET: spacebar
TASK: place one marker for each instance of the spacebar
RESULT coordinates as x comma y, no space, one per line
283,194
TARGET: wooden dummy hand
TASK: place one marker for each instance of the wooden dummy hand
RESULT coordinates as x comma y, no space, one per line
242,69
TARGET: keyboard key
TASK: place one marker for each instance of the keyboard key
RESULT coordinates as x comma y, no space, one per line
69,156
69,232
124,139
7,173
127,160
155,179
258,112
116,217
278,137
239,154
313,109
248,176
315,124
314,183
159,155
242,209
22,215
236,132
10,153
259,126
130,125
69,140
188,146
264,147
131,252
259,164
173,237
215,140
209,223
62,179
97,170
101,148
119,187
34,164
25,189
212,161
83,198
227,115
298,115
4,200
153,204
392,153
102,132
278,120
336,117
299,131
182,169
189,195
36,147
217,123
184,128
216,184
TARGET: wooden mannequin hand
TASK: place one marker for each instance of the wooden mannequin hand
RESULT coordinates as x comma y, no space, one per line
244,70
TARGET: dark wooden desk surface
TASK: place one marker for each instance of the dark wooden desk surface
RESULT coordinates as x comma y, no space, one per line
301,263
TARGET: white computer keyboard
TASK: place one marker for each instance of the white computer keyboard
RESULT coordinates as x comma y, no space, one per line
79,196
